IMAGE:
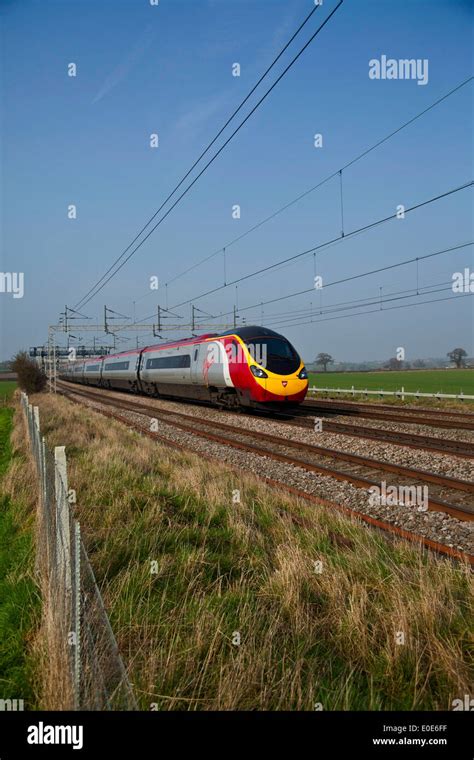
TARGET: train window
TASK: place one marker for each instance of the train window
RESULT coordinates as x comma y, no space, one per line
195,354
275,354
93,368
115,366
169,362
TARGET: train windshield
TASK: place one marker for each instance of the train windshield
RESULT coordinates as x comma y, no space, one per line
274,354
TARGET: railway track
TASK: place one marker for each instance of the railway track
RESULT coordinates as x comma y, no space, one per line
391,408
305,418
357,470
431,418
413,440
385,527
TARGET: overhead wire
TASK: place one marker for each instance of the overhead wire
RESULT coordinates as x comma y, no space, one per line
98,287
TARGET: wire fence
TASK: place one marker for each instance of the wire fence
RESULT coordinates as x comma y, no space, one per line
91,668
400,393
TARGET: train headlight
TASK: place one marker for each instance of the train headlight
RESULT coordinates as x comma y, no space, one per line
257,372
303,375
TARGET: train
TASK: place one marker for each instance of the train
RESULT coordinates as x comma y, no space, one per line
250,366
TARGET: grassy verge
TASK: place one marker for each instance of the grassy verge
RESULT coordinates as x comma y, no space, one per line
211,584
7,388
395,401
18,594
425,381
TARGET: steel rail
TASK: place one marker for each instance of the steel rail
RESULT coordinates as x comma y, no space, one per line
435,504
463,449
383,526
309,407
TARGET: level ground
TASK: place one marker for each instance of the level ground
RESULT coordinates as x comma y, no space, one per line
19,600
189,553
425,381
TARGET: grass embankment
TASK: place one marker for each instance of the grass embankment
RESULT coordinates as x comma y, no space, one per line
425,381
7,388
19,603
306,637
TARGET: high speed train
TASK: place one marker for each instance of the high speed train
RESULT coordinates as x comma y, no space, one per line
246,367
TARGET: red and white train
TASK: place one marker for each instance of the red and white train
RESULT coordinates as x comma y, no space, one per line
248,366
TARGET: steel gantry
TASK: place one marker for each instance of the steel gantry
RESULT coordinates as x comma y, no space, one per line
52,352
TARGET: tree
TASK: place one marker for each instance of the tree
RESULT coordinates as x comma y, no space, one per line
457,356
324,359
419,363
31,377
394,363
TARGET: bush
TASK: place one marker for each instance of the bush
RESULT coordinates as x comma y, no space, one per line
31,377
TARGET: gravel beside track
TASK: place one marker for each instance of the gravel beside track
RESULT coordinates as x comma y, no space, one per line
433,525
441,464
407,427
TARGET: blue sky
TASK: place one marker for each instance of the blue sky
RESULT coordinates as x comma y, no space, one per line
143,69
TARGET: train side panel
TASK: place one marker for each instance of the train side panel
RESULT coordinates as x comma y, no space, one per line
77,374
120,371
170,371
93,371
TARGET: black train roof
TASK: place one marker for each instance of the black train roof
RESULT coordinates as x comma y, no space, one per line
251,331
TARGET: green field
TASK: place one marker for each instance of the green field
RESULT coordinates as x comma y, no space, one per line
426,381
6,389
19,601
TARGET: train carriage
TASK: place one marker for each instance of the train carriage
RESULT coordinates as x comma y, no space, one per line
264,368
120,371
246,367
175,369
249,366
93,371
77,371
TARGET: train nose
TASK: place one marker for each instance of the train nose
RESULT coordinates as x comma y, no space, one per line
283,388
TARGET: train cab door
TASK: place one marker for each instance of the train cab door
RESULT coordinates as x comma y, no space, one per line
198,354
138,366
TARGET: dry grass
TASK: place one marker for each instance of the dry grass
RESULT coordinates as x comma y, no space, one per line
248,567
48,645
